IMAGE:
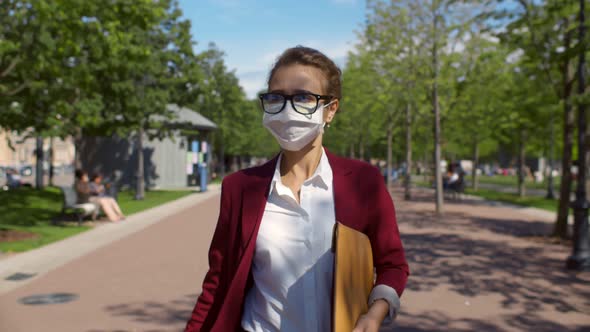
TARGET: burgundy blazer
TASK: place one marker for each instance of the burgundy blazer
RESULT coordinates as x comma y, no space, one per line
361,201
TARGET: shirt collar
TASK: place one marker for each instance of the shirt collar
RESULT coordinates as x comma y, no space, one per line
322,176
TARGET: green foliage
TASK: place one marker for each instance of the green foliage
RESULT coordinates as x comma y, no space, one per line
76,67
86,66
498,77
222,100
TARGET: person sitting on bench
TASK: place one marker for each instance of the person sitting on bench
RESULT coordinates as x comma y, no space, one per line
85,195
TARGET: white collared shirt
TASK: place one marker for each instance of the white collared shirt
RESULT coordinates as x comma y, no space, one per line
293,262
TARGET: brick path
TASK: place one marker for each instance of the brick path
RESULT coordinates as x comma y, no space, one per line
147,281
482,268
479,268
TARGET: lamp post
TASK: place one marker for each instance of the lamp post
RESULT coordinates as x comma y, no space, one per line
580,258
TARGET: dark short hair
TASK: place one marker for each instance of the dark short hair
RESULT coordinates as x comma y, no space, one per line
307,56
80,173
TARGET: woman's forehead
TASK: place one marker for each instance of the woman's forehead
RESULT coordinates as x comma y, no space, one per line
297,77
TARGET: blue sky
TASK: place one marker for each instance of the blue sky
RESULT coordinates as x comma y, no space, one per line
253,33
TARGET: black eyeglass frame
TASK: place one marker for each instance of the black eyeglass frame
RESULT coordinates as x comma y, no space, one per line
290,98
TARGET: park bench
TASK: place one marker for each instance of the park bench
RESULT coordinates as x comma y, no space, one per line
80,210
456,189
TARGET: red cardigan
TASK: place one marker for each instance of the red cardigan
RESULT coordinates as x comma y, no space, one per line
361,201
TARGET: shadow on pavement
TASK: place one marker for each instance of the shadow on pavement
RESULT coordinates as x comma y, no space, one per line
478,256
437,321
464,222
172,313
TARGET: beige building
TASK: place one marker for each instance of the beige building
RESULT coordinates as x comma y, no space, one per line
24,150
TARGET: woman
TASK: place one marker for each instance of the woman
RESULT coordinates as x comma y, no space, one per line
270,260
86,194
97,188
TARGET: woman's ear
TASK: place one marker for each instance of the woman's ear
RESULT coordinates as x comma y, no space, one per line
330,110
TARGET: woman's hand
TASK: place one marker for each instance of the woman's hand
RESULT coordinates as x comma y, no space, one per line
367,323
371,321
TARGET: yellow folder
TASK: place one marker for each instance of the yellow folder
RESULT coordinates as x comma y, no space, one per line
353,277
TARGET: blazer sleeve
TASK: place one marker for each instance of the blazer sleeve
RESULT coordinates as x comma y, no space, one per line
388,252
217,251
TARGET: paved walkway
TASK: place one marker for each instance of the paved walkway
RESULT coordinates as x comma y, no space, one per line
146,281
486,267
481,267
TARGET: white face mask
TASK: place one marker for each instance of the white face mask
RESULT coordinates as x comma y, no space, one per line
294,130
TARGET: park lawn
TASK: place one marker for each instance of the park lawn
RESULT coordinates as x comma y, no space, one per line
152,198
512,181
536,202
31,211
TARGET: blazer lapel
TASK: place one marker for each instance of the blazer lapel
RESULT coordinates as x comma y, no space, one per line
254,197
343,187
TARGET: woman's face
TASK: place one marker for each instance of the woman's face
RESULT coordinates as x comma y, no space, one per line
299,78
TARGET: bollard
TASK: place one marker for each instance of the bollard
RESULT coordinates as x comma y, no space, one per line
203,175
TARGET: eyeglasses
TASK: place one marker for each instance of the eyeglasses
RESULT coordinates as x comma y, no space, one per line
303,103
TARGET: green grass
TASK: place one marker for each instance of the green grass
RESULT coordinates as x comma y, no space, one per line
536,202
31,211
152,198
512,181
423,184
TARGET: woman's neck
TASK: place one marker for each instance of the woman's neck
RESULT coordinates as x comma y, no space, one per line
302,164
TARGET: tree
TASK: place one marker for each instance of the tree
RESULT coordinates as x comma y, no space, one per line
148,50
484,93
544,34
223,100
393,33
40,48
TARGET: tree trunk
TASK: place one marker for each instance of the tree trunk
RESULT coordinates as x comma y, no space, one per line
560,227
221,160
361,150
580,258
474,177
389,154
140,184
39,163
78,147
551,164
51,160
408,175
352,154
436,111
521,165
234,164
